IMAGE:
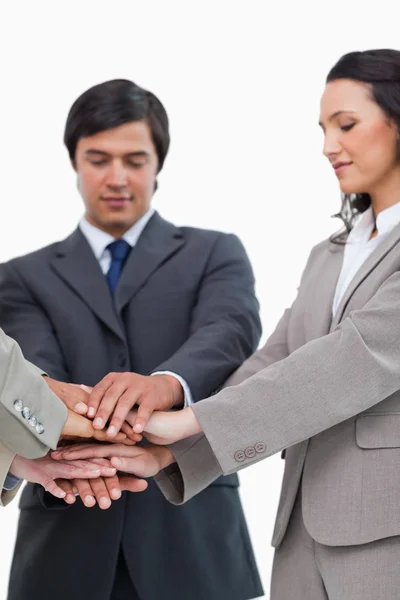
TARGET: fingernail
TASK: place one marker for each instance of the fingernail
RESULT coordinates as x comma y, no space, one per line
91,411
89,500
111,431
80,407
98,422
116,493
116,462
138,428
104,503
96,472
85,387
70,498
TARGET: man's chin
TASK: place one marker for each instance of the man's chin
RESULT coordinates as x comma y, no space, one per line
115,226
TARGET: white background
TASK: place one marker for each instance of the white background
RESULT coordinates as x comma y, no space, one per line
241,82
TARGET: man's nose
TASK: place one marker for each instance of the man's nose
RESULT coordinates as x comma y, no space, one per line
117,176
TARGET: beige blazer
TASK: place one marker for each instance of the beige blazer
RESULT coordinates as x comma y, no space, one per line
31,416
328,392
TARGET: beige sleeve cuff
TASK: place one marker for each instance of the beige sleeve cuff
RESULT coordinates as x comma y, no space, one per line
6,458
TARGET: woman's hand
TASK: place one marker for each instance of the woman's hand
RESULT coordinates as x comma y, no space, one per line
165,428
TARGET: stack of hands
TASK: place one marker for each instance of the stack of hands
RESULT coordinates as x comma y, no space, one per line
97,457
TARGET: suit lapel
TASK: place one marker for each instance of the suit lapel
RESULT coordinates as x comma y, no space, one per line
369,265
76,264
158,241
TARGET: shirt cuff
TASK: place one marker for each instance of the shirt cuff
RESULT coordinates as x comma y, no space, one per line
188,398
11,482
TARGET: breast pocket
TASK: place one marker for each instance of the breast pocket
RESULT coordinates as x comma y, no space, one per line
378,430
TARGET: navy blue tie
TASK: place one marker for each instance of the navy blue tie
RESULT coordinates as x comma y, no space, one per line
119,252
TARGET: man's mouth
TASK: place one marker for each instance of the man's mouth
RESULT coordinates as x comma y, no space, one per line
116,201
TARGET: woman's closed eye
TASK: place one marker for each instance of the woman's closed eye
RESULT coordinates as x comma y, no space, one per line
347,127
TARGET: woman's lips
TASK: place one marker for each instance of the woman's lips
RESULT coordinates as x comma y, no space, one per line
341,166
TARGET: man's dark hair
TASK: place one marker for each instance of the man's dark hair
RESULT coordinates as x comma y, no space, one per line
113,103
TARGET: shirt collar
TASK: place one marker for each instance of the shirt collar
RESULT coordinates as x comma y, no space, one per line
385,221
98,240
388,219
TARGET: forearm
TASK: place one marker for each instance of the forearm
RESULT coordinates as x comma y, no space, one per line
317,387
209,356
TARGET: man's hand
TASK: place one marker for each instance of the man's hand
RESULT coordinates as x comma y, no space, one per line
167,427
100,490
46,470
74,396
142,461
117,393
78,426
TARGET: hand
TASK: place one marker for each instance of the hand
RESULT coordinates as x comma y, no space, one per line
78,426
117,393
102,490
168,427
46,470
75,397
142,461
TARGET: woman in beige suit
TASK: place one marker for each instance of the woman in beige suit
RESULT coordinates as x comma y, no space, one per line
325,386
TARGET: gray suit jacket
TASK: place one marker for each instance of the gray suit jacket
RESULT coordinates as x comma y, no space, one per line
184,303
22,386
328,391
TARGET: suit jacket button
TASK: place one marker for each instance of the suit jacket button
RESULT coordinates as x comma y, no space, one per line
259,447
18,405
239,456
26,413
33,421
250,452
39,428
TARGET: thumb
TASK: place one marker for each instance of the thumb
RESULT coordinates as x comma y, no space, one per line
77,426
87,388
50,486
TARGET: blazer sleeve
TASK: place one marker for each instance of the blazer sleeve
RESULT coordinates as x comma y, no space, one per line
276,347
323,383
23,319
225,327
22,387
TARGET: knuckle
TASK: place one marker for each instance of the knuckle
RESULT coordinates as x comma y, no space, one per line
125,401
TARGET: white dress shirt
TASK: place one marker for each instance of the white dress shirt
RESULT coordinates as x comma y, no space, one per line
359,245
98,240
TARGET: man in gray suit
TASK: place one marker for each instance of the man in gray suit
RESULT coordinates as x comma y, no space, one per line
170,312
32,420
